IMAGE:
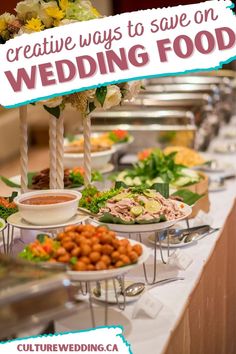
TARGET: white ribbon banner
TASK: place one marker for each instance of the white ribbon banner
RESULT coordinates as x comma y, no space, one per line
119,48
98,340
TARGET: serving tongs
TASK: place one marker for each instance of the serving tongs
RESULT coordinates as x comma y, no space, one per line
191,234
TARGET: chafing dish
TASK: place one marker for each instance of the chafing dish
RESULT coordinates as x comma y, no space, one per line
161,127
224,84
32,296
212,90
198,103
198,78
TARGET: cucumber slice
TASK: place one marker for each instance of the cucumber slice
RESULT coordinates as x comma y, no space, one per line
119,197
136,210
150,193
182,181
152,206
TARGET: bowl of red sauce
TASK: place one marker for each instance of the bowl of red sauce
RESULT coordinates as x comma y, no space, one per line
48,207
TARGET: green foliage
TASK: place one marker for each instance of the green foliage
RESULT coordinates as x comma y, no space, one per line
93,200
187,196
54,111
157,165
110,219
101,93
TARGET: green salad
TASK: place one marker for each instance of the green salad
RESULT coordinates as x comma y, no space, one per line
94,200
159,168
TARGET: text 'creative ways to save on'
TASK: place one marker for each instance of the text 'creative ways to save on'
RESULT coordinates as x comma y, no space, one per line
114,49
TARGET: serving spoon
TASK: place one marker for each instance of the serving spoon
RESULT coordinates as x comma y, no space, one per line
137,288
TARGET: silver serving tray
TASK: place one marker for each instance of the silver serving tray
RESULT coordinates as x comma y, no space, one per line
189,88
191,79
32,296
136,119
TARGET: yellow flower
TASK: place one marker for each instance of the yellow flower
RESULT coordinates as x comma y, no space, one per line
3,25
35,24
55,13
95,12
63,4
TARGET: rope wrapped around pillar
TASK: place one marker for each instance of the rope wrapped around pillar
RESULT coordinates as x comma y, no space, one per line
60,152
87,149
23,148
53,151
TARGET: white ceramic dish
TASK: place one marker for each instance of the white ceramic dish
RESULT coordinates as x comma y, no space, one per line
117,147
225,148
106,169
215,186
98,159
230,134
16,180
217,167
17,221
164,243
111,296
142,228
50,214
123,146
2,224
110,273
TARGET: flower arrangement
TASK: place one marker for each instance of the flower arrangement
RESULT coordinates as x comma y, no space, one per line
38,15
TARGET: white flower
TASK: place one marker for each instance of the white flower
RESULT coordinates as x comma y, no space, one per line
113,97
27,9
44,17
23,30
132,89
53,102
7,17
66,22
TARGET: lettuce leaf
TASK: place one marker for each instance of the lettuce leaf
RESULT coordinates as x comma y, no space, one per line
110,219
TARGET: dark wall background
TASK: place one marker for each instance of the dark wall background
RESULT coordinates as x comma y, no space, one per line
120,6
7,5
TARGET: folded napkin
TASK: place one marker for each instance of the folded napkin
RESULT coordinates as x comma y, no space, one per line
147,306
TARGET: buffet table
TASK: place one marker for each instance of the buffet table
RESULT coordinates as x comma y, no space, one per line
198,313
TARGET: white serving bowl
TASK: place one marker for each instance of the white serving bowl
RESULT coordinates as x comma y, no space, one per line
50,214
98,159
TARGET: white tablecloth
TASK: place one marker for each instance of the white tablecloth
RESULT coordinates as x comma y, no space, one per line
152,335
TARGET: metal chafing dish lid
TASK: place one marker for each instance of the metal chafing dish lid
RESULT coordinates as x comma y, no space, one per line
172,99
135,111
193,79
222,73
31,295
178,88
136,118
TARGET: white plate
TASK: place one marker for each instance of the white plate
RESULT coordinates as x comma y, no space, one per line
118,147
225,148
142,228
107,168
111,297
17,221
2,224
231,134
109,273
123,146
164,243
220,167
216,187
16,179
